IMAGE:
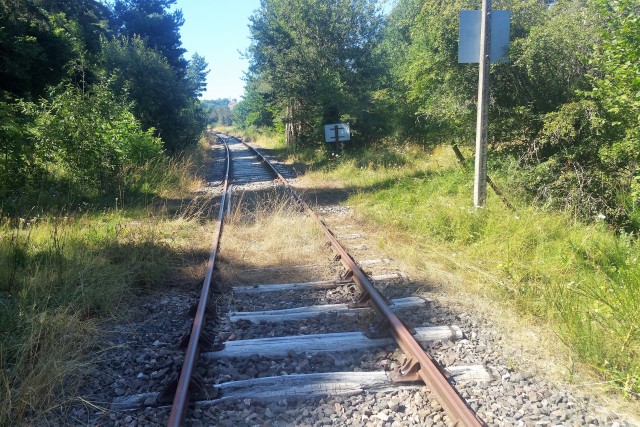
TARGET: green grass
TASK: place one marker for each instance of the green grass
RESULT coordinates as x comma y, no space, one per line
63,273
583,279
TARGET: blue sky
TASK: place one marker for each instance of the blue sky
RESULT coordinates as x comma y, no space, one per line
217,30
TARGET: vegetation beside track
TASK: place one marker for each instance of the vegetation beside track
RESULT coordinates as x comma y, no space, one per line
581,278
63,272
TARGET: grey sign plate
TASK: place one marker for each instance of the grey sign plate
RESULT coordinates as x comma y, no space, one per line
469,46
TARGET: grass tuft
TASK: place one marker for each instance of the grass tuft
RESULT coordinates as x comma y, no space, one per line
270,230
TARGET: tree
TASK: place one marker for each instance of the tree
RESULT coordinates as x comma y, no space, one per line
44,41
32,53
149,20
548,63
218,111
90,135
197,75
317,57
162,99
258,108
617,91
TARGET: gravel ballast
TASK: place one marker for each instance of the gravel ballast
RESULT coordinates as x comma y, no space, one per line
141,356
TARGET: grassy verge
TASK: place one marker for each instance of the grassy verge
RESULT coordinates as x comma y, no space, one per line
582,279
61,274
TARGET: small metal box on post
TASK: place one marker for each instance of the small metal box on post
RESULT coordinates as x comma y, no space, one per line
337,133
484,38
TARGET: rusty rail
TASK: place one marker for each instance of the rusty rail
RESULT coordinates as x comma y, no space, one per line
420,365
181,397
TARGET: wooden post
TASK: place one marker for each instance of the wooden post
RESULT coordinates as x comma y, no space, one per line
480,177
336,130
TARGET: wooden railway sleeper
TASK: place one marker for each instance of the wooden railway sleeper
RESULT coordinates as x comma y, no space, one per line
431,373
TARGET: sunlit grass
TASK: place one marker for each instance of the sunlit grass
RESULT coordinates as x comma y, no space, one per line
62,273
584,279
270,230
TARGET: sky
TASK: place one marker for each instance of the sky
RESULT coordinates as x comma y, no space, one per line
218,30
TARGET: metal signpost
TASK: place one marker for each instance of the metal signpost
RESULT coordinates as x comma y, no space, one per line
337,133
488,43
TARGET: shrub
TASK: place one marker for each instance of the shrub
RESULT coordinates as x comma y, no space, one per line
91,136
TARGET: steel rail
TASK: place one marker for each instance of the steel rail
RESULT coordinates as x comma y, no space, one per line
181,397
422,364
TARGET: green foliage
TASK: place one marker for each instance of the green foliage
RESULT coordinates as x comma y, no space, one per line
258,107
589,148
197,75
33,51
16,154
151,21
162,99
218,111
617,91
78,132
59,276
567,102
316,60
90,137
440,89
550,56
63,130
548,63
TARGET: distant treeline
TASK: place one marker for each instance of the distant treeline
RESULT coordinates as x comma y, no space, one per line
565,109
219,111
91,91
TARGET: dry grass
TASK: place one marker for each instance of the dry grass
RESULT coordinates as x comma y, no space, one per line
270,233
223,129
60,276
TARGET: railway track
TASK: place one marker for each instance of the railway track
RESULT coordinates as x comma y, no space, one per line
282,342
355,293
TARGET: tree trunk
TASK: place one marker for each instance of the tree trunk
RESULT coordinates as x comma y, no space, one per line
293,124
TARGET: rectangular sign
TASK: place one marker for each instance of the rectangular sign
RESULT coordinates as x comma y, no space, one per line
344,133
469,45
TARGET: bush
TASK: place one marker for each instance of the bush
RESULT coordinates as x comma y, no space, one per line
90,136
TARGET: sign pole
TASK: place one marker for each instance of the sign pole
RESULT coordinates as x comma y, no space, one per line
337,133
480,176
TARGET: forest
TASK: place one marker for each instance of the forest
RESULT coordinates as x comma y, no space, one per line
564,110
91,94
218,111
